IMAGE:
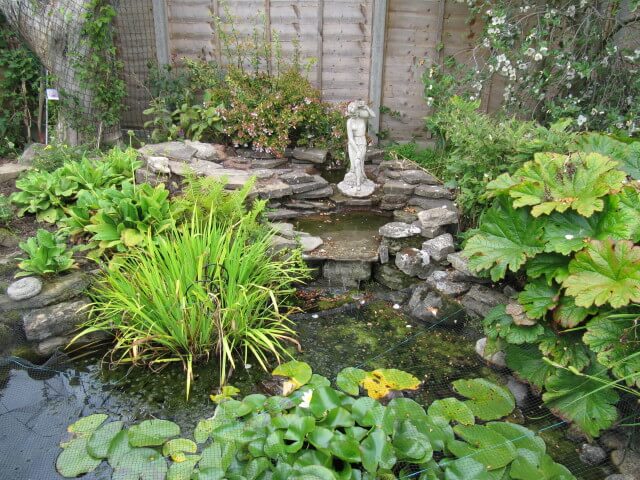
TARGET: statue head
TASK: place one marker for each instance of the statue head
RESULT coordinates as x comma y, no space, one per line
359,108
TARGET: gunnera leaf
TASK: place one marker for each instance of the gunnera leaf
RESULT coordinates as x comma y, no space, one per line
627,155
499,324
565,348
568,314
538,298
582,400
487,400
555,182
605,272
506,238
629,203
552,266
527,363
616,341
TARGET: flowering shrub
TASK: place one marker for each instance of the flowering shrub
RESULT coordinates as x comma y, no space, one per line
557,59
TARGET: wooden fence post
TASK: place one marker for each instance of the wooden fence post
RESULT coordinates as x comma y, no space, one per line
320,45
161,24
376,74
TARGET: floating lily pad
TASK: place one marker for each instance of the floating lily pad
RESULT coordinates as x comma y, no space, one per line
75,460
486,400
297,373
452,409
100,440
88,424
152,432
177,448
141,464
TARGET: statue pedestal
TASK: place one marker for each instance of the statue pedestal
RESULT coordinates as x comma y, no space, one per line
348,187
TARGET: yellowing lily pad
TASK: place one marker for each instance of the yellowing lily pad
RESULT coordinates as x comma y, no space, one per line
380,383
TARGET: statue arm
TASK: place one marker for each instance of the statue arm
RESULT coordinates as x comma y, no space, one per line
351,140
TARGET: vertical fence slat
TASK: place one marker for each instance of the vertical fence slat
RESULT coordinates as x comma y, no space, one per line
320,47
161,23
378,29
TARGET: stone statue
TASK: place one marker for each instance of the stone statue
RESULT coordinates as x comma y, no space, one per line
355,183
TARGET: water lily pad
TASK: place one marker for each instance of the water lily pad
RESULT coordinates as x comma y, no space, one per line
75,460
177,448
141,464
228,391
152,432
466,469
380,383
367,412
484,445
452,409
349,380
183,470
298,373
100,440
87,425
486,400
118,448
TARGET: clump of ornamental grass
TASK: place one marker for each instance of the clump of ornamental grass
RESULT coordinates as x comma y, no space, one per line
206,289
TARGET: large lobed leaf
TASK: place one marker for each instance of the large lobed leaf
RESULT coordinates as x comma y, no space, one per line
505,240
605,272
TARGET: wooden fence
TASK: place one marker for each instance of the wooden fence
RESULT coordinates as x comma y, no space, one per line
376,50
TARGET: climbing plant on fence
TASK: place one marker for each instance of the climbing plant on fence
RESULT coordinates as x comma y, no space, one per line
572,58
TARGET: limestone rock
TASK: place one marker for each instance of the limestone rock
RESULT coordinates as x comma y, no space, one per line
383,253
592,454
437,217
439,247
176,151
398,187
414,262
283,229
208,151
429,203
519,390
313,155
391,277
433,191
404,216
424,304
11,171
627,461
24,288
398,230
349,274
55,320
497,359
30,153
59,289
396,244
315,194
479,300
310,243
441,282
460,263
418,176
158,164
428,232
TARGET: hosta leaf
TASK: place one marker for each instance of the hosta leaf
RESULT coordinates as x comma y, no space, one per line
605,272
551,266
152,432
581,400
616,341
559,182
75,459
486,400
565,348
570,232
568,314
538,298
505,240
484,445
452,409
499,324
526,361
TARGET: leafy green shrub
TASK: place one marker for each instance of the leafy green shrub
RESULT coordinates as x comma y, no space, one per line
49,194
569,225
478,148
205,288
321,433
54,156
47,254
6,212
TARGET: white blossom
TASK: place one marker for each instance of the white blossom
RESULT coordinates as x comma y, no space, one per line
581,120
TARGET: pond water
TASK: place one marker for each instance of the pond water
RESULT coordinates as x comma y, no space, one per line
37,403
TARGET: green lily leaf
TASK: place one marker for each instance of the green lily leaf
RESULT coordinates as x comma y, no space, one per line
345,448
177,448
484,445
487,400
118,448
530,465
605,272
88,425
582,400
312,472
298,373
376,451
75,460
183,470
141,464
100,440
466,469
367,412
152,432
520,436
452,409
411,444
218,455
323,400
349,380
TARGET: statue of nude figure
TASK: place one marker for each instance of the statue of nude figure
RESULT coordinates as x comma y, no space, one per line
355,183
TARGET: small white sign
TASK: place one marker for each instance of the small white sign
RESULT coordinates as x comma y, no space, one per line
52,94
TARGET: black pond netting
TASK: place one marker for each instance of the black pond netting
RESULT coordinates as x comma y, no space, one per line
39,401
